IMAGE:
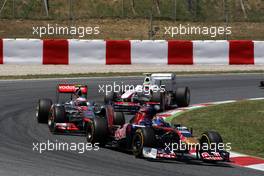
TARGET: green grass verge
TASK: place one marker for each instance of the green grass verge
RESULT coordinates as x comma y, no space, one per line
197,10
111,74
241,124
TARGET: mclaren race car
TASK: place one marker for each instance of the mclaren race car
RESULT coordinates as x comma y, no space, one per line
157,88
71,112
147,135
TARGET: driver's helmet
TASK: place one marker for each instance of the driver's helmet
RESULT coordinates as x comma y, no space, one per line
149,111
159,121
146,81
78,92
81,101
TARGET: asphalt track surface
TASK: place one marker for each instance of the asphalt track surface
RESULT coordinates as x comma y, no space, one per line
19,130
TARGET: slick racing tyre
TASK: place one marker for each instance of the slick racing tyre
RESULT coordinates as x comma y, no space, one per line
144,137
58,115
182,97
119,118
210,137
210,141
97,131
43,110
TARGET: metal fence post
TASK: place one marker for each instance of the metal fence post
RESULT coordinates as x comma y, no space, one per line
14,13
123,8
70,10
226,15
197,10
175,10
151,25
46,4
151,33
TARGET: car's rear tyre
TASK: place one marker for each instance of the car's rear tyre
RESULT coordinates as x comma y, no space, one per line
119,118
58,115
182,97
43,110
97,131
144,137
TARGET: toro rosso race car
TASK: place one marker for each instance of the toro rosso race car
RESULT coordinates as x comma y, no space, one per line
158,88
71,112
148,135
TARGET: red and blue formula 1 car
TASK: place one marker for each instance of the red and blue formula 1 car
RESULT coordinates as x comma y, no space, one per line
71,112
148,135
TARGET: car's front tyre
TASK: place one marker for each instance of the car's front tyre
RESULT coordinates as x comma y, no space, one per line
43,110
97,131
58,115
210,141
144,137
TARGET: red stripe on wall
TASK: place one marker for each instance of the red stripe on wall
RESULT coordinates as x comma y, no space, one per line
118,52
241,52
56,52
1,52
180,52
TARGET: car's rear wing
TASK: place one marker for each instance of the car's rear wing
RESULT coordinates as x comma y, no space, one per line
163,76
73,88
130,107
126,107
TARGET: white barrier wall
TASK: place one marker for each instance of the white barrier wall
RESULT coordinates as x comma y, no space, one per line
35,51
149,52
211,52
22,51
87,52
259,52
